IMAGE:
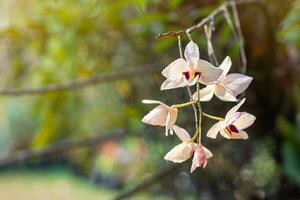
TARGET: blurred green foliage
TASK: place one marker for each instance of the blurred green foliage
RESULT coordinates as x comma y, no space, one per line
54,41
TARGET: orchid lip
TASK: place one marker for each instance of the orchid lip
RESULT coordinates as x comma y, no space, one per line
232,129
186,75
197,74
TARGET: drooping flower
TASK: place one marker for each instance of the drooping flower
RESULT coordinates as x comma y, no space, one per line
185,150
189,71
182,151
162,115
201,155
227,87
233,125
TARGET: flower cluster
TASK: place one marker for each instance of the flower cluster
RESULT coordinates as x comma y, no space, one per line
189,71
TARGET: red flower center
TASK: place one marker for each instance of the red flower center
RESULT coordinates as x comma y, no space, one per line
232,129
186,75
197,74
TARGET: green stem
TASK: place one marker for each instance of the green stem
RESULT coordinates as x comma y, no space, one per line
199,114
195,135
184,104
213,117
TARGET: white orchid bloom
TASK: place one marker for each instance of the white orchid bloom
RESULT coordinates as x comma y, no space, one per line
233,125
201,155
182,151
162,115
188,71
185,149
227,87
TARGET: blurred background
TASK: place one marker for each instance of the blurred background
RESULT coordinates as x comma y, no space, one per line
98,146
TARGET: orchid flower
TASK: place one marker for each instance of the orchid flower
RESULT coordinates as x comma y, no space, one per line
188,71
227,87
201,155
185,149
233,125
162,115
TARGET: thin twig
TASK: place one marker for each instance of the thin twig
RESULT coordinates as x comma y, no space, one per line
57,148
240,37
235,34
210,48
204,21
72,85
147,182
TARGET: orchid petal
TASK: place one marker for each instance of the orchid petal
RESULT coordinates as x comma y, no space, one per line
239,135
234,109
201,155
148,101
244,121
191,52
180,153
223,94
226,65
182,134
171,120
194,81
157,116
206,94
215,129
174,70
209,73
169,84
207,152
237,83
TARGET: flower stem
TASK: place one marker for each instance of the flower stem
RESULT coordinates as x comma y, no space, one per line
188,87
213,117
199,114
184,104
195,135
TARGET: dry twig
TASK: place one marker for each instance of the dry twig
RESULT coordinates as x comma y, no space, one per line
72,85
147,182
60,147
217,11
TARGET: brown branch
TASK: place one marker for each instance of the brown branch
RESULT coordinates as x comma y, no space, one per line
149,181
72,85
60,147
204,21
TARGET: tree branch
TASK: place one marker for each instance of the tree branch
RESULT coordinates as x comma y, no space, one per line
72,85
147,182
204,21
63,146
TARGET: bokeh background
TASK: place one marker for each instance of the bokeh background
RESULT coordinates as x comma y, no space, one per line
56,41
